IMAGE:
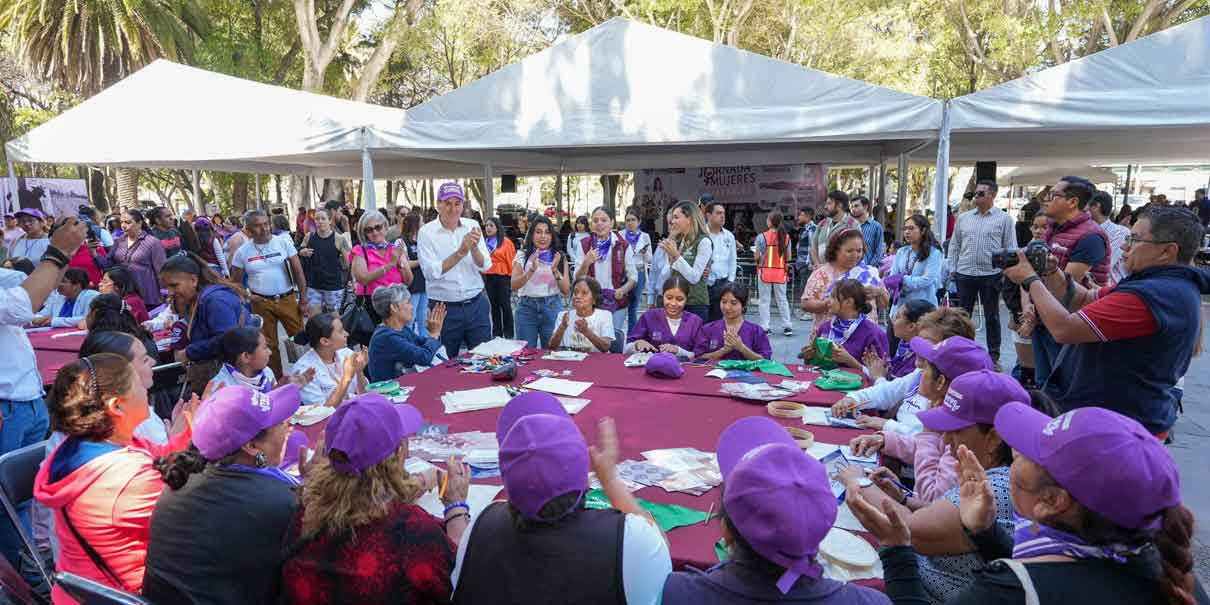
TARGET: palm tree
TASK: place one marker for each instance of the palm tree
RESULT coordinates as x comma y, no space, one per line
84,46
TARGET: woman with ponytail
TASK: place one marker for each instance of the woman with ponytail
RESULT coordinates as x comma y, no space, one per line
1097,500
209,305
217,532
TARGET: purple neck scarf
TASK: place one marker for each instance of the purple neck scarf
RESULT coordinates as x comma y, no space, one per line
492,242
1034,540
868,276
269,471
841,330
260,383
547,256
377,245
632,238
903,362
603,245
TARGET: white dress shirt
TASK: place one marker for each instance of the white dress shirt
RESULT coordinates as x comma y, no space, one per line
723,258
19,378
463,281
1117,235
54,304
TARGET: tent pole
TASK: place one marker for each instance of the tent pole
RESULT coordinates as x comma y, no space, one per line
882,182
256,184
1126,190
558,197
942,177
367,176
901,198
197,193
489,191
13,203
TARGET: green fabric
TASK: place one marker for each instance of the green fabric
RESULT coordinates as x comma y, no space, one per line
823,354
699,293
385,387
667,516
838,380
720,550
767,366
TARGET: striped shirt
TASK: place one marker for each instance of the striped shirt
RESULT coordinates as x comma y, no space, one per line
976,237
875,245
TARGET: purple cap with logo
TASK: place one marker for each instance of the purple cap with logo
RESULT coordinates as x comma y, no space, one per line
973,398
450,191
542,457
233,416
367,430
779,499
954,356
530,402
294,444
664,365
34,212
1106,461
744,435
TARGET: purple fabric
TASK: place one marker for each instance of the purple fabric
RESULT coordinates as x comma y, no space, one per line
632,238
1032,539
526,404
745,435
368,429
1098,456
547,256
973,398
903,362
603,245
664,365
144,258
492,242
710,338
867,334
954,356
233,416
653,327
450,191
542,457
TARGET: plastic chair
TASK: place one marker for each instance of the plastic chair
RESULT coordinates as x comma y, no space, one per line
17,471
88,592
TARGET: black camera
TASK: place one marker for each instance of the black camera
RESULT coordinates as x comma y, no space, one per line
1036,253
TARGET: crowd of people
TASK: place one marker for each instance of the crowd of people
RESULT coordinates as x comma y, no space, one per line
992,486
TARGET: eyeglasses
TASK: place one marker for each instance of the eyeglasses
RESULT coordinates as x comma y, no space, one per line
373,228
981,193
1057,195
1132,240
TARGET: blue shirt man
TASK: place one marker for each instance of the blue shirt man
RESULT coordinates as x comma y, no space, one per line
871,231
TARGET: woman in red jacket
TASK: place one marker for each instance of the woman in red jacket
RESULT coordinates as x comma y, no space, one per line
100,482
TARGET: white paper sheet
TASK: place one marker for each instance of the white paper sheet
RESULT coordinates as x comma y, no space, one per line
815,415
559,386
819,450
848,453
72,333
637,360
478,498
717,373
306,416
475,399
498,346
565,356
574,405
846,520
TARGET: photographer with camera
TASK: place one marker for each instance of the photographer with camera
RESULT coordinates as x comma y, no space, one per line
1125,346
980,232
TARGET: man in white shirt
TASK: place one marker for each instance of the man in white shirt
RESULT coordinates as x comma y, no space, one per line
722,261
1101,208
453,257
24,413
273,269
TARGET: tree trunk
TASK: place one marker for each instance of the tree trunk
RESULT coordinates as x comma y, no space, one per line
239,193
128,187
96,189
609,190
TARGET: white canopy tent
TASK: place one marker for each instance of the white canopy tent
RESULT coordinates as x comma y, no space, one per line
1050,174
1148,100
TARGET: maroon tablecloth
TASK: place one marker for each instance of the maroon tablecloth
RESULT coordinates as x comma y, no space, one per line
50,362
649,415
46,341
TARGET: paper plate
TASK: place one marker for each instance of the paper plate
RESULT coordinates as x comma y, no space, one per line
309,415
846,548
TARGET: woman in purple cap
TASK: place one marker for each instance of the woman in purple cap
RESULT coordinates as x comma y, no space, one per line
216,533
543,545
1078,537
777,506
359,537
850,330
732,337
669,329
964,419
34,242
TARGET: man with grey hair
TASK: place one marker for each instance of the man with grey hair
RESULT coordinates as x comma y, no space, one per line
276,282
453,257
394,347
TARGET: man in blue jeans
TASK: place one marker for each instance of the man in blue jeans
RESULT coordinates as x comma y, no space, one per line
453,257
25,418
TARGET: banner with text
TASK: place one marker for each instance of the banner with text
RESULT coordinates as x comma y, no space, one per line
786,188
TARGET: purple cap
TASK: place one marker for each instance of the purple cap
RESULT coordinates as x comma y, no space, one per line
202,222
973,398
233,416
954,356
450,191
664,365
744,435
542,457
1106,461
34,212
780,500
368,429
294,444
529,402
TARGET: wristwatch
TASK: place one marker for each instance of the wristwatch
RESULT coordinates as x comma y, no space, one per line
864,482
1029,281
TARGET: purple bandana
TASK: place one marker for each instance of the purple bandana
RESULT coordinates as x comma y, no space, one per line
261,383
1035,540
903,362
863,273
841,330
547,256
492,242
632,238
603,246
377,245
269,471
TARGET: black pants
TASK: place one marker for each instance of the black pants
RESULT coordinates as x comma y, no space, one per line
987,289
716,293
499,288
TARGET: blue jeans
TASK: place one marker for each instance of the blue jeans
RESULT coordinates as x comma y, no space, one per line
636,296
420,305
535,318
25,423
466,322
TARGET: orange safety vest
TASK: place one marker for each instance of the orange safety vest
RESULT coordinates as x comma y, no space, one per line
773,265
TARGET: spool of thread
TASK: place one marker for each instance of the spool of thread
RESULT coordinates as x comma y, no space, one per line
802,437
786,409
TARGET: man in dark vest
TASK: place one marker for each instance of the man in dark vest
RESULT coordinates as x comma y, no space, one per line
544,545
1126,346
1079,246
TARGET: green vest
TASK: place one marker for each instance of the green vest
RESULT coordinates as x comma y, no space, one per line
699,293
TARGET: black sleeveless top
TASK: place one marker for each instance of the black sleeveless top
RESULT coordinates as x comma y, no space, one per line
324,273
577,561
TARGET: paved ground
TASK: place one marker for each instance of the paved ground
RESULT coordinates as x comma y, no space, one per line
1192,432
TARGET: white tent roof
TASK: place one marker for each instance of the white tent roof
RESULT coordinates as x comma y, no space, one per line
168,115
1148,100
1050,174
625,96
